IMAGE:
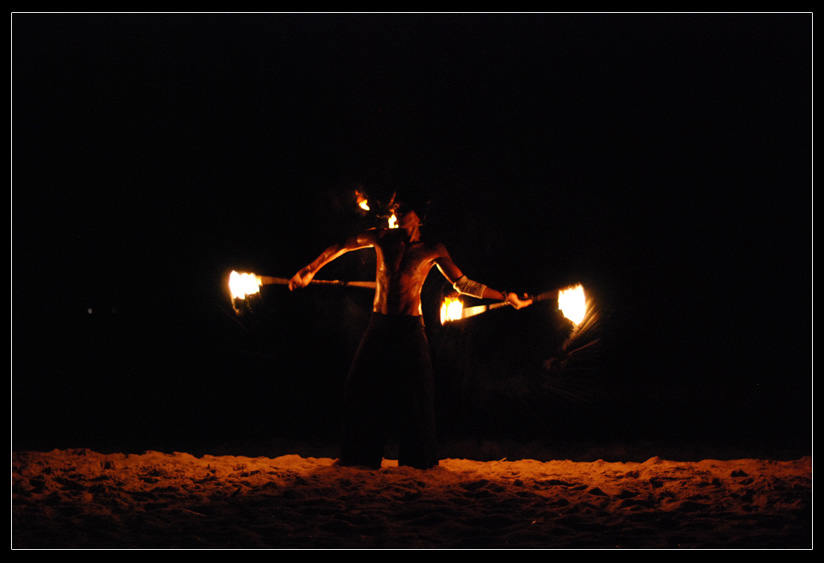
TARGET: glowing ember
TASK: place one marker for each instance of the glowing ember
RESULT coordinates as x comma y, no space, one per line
393,221
572,303
362,201
451,310
241,285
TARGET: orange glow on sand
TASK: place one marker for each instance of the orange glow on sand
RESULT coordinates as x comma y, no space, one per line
202,502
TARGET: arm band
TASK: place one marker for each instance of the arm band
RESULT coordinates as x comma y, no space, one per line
466,286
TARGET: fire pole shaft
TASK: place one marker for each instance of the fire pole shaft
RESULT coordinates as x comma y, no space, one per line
269,280
546,295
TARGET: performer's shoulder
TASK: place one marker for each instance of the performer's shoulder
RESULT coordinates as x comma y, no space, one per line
373,233
437,247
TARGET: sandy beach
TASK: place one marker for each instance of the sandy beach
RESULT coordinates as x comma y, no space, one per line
82,499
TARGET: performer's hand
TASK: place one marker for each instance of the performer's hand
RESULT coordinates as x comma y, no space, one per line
518,302
301,279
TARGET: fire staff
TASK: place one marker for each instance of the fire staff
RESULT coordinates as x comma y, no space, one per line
389,389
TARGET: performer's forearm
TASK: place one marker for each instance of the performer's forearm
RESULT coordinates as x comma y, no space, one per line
335,251
328,255
494,294
465,286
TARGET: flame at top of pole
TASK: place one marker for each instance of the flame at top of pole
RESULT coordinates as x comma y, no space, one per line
392,207
387,212
361,200
393,221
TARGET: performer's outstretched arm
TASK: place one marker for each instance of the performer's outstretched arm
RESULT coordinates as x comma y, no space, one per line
466,286
304,276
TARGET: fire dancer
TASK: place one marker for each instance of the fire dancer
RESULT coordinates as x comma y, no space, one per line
390,388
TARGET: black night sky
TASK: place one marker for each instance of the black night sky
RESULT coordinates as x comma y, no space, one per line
663,160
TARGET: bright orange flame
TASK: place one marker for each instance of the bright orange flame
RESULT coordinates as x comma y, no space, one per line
393,221
241,285
451,310
363,203
573,303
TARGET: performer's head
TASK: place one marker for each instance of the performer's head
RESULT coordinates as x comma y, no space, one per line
408,217
411,211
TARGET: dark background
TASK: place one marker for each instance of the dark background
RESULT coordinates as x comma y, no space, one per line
664,161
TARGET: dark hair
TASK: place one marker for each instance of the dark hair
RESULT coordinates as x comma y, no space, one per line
419,205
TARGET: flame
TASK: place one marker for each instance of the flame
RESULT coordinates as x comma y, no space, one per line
393,221
573,304
241,285
451,310
363,203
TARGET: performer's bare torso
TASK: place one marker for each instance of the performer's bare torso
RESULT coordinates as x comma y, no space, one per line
402,268
404,260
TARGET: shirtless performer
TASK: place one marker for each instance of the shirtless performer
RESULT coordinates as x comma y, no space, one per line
389,390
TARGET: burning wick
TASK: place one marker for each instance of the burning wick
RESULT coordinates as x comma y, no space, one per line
241,285
573,304
451,310
393,221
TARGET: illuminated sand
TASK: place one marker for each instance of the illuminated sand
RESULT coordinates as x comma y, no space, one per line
84,499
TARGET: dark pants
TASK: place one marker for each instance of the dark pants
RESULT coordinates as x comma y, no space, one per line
389,393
